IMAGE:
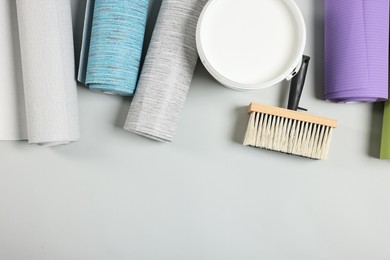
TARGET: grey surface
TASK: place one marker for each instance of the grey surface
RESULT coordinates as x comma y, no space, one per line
115,195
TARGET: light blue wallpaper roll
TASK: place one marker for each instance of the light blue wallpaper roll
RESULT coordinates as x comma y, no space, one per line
115,47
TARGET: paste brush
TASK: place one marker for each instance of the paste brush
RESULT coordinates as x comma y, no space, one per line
287,130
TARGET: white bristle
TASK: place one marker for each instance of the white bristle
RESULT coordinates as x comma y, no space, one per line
288,136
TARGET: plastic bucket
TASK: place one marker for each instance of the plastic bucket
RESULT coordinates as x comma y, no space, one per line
251,44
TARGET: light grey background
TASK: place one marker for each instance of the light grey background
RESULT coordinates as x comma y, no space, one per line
115,195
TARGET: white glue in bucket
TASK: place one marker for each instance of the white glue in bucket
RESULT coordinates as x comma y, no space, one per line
251,44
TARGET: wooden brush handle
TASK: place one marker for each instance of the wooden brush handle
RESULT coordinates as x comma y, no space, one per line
281,112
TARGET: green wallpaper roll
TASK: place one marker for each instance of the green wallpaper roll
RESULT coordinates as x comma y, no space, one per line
385,146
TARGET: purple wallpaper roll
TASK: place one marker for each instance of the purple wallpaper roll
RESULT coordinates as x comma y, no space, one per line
356,50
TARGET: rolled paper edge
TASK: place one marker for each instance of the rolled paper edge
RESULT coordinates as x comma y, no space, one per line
100,88
148,132
355,98
53,143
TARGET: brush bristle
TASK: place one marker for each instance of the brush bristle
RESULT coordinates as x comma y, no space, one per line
288,135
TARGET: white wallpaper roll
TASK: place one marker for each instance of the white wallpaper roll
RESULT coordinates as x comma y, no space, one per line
12,110
167,71
46,42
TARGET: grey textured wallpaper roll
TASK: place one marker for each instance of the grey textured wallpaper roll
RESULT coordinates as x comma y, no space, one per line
46,43
167,72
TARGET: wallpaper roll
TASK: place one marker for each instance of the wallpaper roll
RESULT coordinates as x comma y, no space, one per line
167,72
385,145
356,50
114,37
46,43
12,110
85,42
